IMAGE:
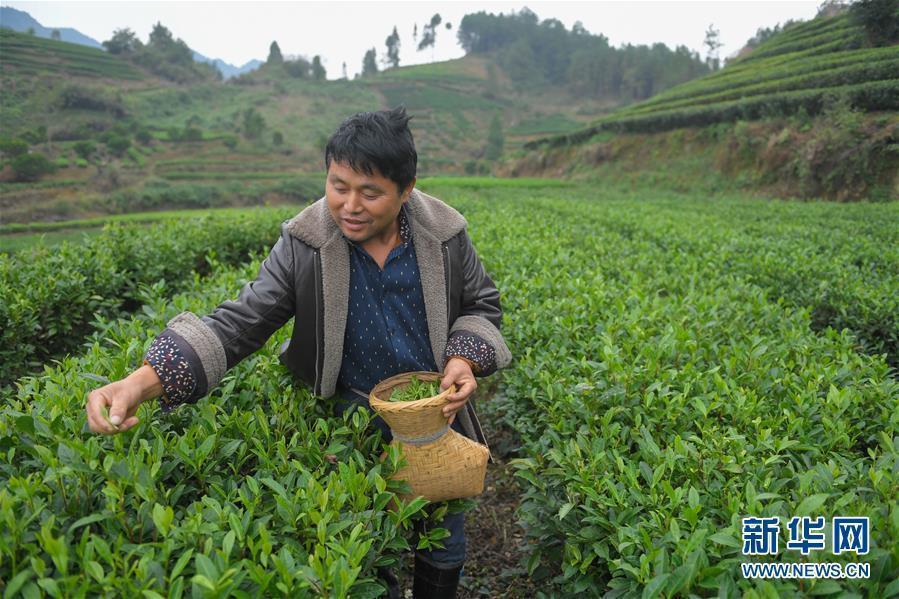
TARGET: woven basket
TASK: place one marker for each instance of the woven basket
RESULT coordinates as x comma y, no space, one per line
441,463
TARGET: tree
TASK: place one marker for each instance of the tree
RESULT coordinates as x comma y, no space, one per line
393,49
878,19
429,33
55,35
318,71
274,54
495,139
123,41
343,70
713,44
253,124
30,167
160,36
369,63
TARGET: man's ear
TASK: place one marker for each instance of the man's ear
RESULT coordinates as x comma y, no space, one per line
408,191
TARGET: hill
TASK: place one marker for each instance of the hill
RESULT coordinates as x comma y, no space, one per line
124,134
810,102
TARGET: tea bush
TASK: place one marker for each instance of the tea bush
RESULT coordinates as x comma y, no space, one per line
661,393
50,295
253,491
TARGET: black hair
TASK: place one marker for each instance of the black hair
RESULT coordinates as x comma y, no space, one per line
371,142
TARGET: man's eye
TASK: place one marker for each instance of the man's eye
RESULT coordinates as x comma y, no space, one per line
369,196
340,189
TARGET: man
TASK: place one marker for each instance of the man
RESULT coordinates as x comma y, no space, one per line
381,279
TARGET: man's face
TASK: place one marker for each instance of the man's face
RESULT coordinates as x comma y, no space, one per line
364,206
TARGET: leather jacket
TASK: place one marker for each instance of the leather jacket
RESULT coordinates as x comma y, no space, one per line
306,276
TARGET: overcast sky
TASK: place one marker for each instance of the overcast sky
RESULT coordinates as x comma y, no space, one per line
342,31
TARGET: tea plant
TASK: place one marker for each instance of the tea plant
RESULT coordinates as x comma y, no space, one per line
50,295
255,490
661,394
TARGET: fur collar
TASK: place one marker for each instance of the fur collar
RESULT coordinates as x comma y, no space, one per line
315,226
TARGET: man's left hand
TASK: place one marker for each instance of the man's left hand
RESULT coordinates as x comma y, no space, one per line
458,372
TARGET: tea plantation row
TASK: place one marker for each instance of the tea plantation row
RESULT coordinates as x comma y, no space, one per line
669,378
661,392
50,295
254,491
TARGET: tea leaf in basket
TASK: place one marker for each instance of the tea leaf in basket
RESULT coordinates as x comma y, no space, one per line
416,389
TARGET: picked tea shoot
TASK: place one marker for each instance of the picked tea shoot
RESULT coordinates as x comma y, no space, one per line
416,389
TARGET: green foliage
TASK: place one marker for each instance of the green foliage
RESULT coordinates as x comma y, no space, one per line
80,97
31,167
28,55
793,72
12,147
415,389
123,41
369,63
298,68
253,124
274,54
277,138
662,390
144,136
318,70
255,491
85,148
118,144
879,19
495,139
535,53
52,296
393,49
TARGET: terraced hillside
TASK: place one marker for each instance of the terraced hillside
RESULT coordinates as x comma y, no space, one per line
124,140
796,70
29,55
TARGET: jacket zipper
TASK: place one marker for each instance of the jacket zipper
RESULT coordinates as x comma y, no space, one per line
316,388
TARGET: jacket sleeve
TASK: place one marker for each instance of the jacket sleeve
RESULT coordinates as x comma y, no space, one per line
193,353
475,334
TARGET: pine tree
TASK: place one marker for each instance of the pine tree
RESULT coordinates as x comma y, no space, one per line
274,54
393,49
370,63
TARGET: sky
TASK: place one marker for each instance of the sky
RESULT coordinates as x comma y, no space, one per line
339,32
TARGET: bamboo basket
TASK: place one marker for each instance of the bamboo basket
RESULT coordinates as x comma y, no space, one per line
441,463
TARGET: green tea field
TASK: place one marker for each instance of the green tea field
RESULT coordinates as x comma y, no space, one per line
680,362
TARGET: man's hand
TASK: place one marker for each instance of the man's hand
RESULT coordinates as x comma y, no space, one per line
458,372
122,399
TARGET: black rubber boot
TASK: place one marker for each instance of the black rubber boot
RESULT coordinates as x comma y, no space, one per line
432,582
393,585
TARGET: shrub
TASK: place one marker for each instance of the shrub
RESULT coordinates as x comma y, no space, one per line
118,144
144,136
31,167
12,147
85,148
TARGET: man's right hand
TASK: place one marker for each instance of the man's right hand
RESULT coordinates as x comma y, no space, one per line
122,399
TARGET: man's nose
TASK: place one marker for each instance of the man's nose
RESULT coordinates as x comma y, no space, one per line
353,202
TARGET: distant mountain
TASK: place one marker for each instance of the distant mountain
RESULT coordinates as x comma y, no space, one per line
226,69
19,20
